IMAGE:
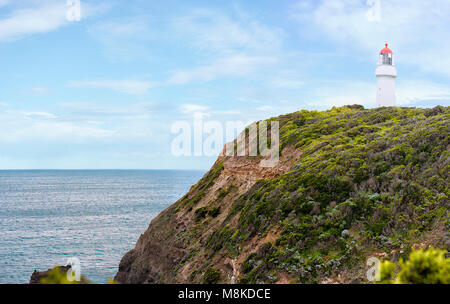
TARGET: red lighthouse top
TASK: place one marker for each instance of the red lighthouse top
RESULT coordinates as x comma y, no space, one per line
386,50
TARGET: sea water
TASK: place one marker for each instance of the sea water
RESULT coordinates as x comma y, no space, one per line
49,216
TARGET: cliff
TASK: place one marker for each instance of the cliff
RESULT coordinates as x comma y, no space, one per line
350,184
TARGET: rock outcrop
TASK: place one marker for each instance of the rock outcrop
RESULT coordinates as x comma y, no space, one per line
37,276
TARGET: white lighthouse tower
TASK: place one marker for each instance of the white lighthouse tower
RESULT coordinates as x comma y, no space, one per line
386,74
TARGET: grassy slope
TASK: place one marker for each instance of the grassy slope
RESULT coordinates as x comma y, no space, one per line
368,182
381,175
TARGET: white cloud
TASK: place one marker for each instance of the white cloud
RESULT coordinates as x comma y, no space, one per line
265,108
45,17
416,30
192,108
286,83
135,87
126,39
248,100
4,2
411,92
40,90
37,17
210,30
20,126
94,9
91,110
339,93
232,44
39,114
237,65
86,123
229,112
137,27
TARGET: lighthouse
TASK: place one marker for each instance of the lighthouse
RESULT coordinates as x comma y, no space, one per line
386,74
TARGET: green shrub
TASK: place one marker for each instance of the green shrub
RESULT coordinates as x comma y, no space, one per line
423,267
59,276
211,276
56,276
214,212
200,213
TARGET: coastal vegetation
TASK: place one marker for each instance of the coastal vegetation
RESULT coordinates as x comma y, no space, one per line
423,267
367,183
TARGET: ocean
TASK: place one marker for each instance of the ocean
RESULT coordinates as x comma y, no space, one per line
49,216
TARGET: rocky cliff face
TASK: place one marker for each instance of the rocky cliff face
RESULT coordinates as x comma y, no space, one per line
350,184
37,276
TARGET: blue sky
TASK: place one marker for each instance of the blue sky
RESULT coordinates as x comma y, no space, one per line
104,91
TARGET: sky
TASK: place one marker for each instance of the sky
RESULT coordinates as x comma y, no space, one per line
103,91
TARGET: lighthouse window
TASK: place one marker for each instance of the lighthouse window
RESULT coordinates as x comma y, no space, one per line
387,58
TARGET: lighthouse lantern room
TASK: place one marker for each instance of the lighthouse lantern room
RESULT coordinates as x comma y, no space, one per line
386,74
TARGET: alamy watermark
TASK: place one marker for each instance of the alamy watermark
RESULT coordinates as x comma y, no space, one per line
73,10
74,273
206,138
373,273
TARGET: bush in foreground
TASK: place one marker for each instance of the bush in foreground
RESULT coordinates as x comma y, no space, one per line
423,267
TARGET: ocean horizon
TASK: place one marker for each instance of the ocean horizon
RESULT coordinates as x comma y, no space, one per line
96,215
